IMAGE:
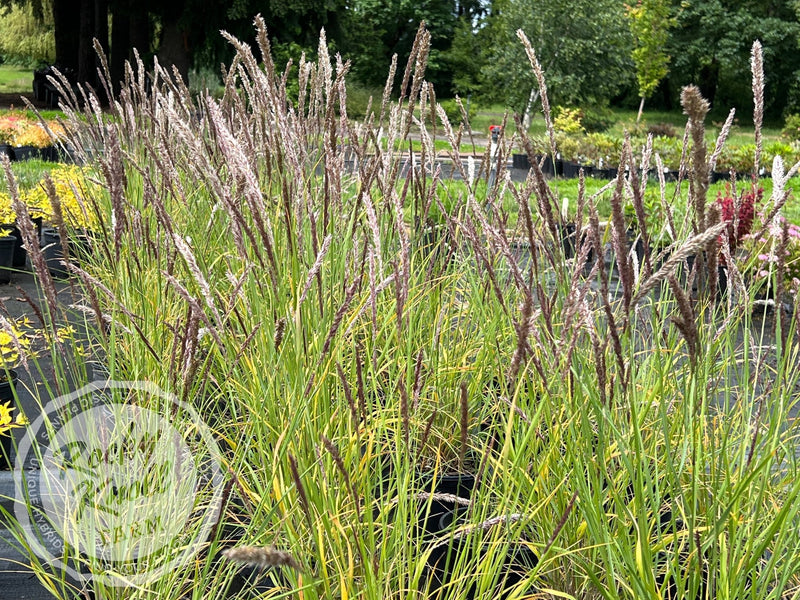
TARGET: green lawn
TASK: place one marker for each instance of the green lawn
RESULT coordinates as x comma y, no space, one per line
15,79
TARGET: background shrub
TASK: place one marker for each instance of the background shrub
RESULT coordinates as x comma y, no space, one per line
454,112
358,100
597,119
791,127
662,130
568,120
203,79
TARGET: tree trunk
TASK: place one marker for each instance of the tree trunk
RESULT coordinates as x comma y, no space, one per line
140,36
101,24
120,45
708,80
526,118
641,108
66,20
174,50
86,63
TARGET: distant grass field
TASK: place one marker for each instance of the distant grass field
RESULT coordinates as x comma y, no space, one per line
15,79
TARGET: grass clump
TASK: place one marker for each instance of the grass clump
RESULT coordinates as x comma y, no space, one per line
354,332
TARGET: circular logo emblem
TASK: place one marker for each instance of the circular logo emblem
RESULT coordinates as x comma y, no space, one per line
118,481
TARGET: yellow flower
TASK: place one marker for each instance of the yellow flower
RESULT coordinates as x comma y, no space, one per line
32,134
77,211
65,333
13,339
7,214
7,423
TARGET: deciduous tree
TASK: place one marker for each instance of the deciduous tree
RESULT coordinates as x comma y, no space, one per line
649,22
584,47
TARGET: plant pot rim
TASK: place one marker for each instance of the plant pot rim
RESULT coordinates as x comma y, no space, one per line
8,376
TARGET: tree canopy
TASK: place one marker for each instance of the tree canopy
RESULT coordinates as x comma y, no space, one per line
593,52
583,46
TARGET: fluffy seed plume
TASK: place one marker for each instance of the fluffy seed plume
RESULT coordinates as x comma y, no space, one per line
262,557
696,108
315,268
692,246
721,138
539,72
757,67
451,498
280,328
483,526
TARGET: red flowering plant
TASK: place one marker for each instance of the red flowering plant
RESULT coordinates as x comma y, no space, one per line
776,250
738,213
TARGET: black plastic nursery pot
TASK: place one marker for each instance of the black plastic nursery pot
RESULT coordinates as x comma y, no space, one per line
444,513
53,253
79,246
20,254
442,519
635,243
438,525
7,246
7,150
443,569
571,169
569,242
437,244
520,161
251,580
50,154
25,152
7,382
722,274
549,169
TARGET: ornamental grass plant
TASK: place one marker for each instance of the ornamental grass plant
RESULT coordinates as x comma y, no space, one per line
352,327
